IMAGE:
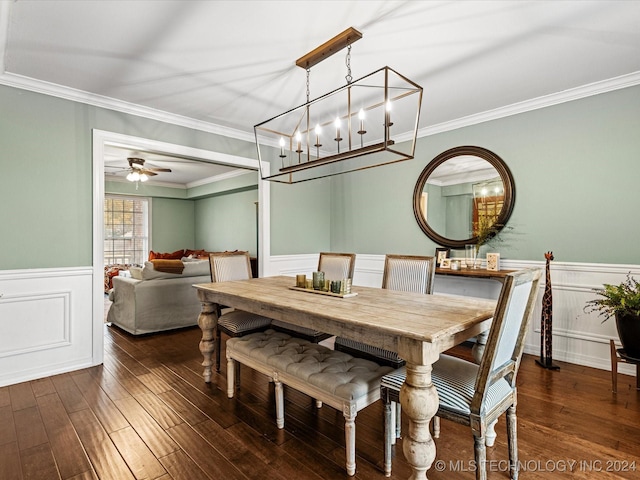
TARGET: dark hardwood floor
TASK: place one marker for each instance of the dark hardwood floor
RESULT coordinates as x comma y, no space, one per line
147,414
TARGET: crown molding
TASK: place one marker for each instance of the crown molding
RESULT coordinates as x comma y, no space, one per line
153,183
596,88
185,186
67,93
47,88
218,178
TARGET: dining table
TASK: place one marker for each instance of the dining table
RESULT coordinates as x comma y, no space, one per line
417,326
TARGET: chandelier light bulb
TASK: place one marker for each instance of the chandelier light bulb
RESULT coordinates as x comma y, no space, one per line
298,144
361,114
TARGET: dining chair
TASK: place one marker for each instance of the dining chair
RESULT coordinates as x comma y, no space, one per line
408,273
476,395
225,267
336,266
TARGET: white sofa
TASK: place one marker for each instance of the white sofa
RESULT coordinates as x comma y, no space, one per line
152,301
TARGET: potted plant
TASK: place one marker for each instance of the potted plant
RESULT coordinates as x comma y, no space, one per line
486,231
622,302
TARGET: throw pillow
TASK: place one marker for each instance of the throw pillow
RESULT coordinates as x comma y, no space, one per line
177,255
194,253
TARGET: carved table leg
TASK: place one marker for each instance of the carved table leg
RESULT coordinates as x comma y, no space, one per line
478,348
419,400
208,321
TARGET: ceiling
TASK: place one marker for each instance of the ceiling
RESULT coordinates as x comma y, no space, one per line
185,173
224,66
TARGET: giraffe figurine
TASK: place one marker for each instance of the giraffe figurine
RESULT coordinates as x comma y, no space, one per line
546,335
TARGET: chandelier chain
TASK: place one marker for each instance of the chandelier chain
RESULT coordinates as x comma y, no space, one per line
348,78
308,89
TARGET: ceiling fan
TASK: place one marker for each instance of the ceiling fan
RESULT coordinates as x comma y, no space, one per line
138,172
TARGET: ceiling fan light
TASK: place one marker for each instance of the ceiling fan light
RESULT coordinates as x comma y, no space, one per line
143,177
130,177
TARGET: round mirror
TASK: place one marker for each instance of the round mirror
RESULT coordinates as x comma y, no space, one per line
463,192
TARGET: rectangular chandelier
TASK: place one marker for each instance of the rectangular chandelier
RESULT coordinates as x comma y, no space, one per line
366,123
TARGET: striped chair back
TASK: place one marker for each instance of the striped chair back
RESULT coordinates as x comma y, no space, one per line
337,266
409,273
227,266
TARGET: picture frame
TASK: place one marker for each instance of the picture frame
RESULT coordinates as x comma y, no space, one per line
441,253
493,262
446,263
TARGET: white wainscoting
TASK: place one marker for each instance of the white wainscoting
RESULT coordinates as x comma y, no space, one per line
47,326
578,337
46,322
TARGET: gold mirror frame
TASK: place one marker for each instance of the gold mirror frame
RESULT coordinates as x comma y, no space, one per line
495,161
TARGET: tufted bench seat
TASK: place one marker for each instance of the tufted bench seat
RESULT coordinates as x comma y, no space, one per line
336,378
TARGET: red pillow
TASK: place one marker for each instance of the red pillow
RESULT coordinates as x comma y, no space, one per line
177,255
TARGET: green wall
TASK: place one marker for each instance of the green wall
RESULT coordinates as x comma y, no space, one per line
46,164
301,217
227,222
173,225
576,168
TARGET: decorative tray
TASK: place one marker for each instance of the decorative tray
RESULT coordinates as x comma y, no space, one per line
322,292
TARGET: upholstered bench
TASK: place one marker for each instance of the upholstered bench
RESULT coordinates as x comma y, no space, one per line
341,381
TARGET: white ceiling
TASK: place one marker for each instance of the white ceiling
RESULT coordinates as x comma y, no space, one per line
228,65
184,173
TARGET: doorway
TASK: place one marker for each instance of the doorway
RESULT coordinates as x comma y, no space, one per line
102,139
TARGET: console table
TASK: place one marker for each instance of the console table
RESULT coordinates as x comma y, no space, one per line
475,273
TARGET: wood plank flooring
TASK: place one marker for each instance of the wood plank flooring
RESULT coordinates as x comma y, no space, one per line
147,414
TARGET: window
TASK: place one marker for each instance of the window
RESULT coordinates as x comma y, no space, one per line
126,230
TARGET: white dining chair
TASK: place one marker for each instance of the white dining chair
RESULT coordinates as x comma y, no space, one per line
225,267
476,395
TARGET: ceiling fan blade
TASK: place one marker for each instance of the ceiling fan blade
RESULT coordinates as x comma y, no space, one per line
158,169
149,173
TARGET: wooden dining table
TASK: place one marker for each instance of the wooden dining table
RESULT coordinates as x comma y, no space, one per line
416,326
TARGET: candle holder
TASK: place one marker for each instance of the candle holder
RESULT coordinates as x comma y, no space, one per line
317,145
318,280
